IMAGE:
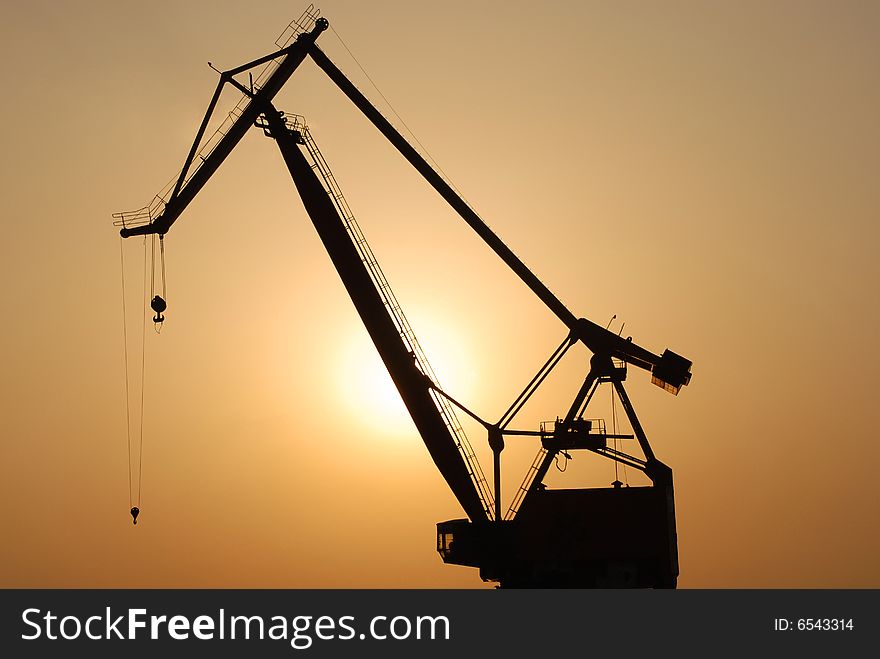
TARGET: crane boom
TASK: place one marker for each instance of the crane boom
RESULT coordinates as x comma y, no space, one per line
414,387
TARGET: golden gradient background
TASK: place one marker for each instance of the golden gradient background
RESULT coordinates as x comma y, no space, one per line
706,171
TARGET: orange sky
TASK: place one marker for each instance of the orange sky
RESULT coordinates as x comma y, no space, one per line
705,171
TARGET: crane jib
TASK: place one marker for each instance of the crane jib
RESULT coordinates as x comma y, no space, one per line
186,189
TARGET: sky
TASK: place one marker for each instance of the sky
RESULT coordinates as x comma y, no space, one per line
704,173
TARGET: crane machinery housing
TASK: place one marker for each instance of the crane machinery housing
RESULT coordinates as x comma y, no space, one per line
586,537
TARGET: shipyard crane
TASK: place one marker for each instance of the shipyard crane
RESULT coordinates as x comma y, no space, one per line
596,537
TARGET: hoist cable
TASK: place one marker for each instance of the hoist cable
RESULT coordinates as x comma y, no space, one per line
143,367
391,107
162,261
125,359
152,265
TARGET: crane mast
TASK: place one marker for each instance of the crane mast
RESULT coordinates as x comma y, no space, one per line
615,536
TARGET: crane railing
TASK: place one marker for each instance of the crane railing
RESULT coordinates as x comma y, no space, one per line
526,485
407,335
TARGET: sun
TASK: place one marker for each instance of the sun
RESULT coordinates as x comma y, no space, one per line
369,395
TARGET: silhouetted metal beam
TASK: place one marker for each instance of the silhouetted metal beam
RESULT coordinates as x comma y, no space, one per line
414,387
185,193
442,187
595,337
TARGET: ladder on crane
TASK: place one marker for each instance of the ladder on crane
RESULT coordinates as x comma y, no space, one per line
296,124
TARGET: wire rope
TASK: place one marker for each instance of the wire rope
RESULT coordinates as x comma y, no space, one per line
162,262
399,118
152,265
143,369
125,359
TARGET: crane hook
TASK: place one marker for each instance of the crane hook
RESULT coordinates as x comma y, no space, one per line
134,514
158,305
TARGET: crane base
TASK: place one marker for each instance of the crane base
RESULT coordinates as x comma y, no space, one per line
584,538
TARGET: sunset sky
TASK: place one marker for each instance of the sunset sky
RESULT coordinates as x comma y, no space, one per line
707,172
